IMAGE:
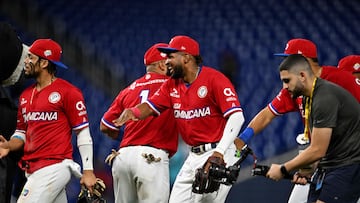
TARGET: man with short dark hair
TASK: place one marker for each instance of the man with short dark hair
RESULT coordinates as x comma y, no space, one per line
333,118
284,103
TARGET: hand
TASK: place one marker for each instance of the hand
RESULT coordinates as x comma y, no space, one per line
125,116
215,158
4,147
301,179
239,144
274,172
88,179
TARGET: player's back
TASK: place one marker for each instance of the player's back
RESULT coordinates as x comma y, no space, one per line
160,131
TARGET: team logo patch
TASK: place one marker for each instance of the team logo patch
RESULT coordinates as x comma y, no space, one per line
147,76
202,91
357,81
54,97
228,92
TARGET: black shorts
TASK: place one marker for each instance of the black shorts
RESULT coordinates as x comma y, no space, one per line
339,185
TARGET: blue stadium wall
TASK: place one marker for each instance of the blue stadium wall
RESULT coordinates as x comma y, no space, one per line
237,37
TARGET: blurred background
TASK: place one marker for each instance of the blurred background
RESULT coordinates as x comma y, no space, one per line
104,43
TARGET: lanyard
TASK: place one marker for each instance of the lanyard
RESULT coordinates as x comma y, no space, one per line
308,103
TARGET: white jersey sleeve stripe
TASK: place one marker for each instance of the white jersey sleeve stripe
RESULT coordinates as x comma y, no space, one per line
81,126
109,125
153,107
273,110
232,110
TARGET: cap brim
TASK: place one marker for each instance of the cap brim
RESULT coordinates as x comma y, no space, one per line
59,64
167,50
281,54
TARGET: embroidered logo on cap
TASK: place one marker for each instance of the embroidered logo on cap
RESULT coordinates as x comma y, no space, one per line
47,53
356,66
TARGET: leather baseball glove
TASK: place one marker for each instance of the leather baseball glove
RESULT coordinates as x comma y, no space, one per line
109,159
98,192
205,182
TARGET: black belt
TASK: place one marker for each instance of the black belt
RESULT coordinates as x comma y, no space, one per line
200,149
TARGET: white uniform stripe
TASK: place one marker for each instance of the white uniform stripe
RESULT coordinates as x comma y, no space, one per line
153,107
232,110
109,125
81,126
273,110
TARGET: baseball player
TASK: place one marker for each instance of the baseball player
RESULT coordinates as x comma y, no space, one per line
351,64
207,113
140,168
335,130
284,102
48,111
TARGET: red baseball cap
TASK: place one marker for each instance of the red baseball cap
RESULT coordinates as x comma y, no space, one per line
182,43
300,46
153,54
350,63
48,49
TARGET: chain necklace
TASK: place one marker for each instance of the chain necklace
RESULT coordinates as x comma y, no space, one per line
33,91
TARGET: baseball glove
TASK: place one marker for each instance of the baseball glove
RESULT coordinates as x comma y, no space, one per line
98,191
109,159
204,181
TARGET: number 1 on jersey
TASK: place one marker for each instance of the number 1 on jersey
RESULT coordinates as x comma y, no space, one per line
144,94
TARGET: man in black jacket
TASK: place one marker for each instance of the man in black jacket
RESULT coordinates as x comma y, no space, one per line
12,53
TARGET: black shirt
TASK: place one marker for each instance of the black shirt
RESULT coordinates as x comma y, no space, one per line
333,107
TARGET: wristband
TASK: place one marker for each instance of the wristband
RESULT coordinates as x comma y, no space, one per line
284,171
136,112
246,135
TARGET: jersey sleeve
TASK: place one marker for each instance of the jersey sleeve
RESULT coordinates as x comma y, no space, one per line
225,95
283,103
160,100
114,111
75,109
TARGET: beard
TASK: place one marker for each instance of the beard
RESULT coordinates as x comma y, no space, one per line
177,72
168,72
298,90
31,73
296,93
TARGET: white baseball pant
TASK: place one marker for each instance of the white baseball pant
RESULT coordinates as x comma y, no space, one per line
136,180
182,189
47,184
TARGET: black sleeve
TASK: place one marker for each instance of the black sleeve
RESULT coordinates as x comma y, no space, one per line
8,113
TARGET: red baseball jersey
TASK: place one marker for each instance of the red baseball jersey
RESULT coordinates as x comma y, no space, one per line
200,109
283,103
159,132
47,118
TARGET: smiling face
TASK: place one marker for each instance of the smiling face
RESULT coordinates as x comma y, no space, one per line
175,65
